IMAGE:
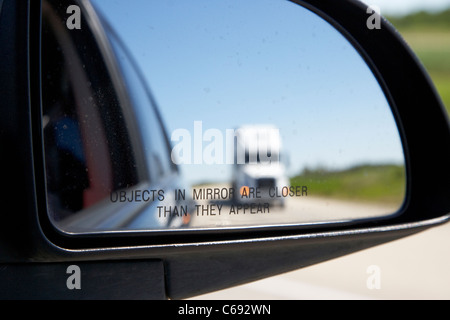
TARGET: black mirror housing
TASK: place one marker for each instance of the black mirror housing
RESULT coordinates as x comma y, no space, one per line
183,264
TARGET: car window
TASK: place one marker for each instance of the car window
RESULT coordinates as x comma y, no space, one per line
156,148
88,150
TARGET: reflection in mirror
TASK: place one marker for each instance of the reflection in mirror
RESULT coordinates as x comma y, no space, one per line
260,114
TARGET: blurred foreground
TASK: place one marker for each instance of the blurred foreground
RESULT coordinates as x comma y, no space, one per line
413,268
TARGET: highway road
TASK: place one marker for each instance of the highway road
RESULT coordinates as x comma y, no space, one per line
416,267
297,209
412,268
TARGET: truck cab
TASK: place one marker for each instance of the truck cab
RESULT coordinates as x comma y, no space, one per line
258,169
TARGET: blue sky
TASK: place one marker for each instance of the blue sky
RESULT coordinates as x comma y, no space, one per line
229,63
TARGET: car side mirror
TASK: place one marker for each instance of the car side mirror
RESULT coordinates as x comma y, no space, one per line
173,187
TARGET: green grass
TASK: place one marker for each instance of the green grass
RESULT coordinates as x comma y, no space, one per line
384,184
422,20
442,83
436,61
432,47
428,35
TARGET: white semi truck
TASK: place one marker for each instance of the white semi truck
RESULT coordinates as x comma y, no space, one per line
258,170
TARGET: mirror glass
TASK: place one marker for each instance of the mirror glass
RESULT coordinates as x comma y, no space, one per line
211,114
